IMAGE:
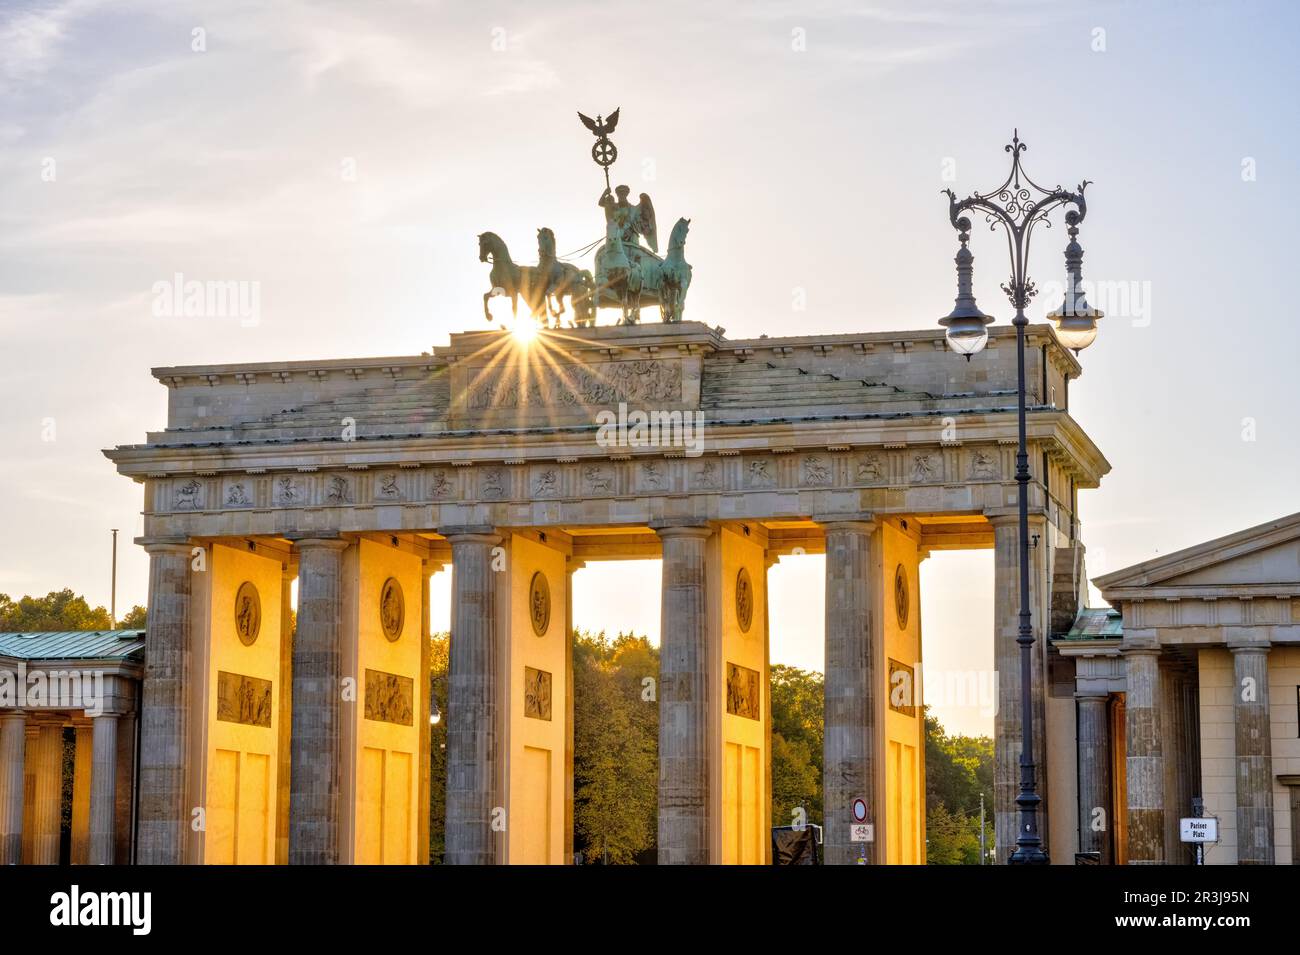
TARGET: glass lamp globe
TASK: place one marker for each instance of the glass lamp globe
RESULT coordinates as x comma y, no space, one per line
1076,332
967,336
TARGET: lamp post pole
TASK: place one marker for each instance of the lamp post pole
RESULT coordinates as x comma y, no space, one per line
1018,205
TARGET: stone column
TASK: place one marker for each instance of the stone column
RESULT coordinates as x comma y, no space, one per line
571,565
473,701
314,773
1145,763
1008,735
164,813
48,759
424,707
103,789
13,750
684,698
1253,755
284,713
851,746
1095,803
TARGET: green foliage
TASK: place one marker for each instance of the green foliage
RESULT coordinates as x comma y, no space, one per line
957,770
796,744
439,662
135,619
615,747
57,610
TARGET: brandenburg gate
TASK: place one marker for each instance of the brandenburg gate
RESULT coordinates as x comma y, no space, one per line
514,461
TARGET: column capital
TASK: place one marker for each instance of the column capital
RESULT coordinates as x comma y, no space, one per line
322,543
1248,643
1003,516
863,522
471,533
682,527
1139,643
17,713
166,545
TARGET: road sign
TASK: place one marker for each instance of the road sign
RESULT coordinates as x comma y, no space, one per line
1198,829
862,832
859,810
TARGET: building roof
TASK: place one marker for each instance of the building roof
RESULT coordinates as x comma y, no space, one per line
127,645
1096,623
1259,561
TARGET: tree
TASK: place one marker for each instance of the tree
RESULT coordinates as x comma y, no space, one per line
439,662
136,617
957,770
797,730
615,747
57,610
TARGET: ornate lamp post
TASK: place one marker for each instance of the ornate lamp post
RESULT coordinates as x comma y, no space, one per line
1018,205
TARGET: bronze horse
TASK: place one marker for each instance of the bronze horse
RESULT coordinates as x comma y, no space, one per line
543,287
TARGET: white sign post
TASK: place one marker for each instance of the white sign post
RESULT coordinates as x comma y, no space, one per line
1198,829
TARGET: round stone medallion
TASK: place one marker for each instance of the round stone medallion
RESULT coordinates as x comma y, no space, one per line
248,613
539,603
901,599
392,609
744,600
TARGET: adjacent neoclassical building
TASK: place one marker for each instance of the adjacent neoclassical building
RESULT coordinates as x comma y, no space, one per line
75,691
1201,657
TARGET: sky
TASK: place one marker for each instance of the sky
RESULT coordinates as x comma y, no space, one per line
344,156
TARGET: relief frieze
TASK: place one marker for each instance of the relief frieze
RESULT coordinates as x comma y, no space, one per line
576,386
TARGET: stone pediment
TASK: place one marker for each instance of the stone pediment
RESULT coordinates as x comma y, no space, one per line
1259,561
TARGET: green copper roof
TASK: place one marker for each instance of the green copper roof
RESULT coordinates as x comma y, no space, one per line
73,645
1096,623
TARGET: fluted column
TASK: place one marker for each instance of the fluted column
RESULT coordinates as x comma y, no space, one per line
1253,755
1008,734
164,815
47,798
103,789
284,713
1095,803
851,758
684,698
473,702
1145,762
13,751
424,696
315,770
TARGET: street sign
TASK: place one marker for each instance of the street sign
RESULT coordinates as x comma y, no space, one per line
859,810
1198,829
862,832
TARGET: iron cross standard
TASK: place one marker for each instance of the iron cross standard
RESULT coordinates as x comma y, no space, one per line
603,152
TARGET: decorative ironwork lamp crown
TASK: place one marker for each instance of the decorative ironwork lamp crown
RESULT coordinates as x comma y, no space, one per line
1018,205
